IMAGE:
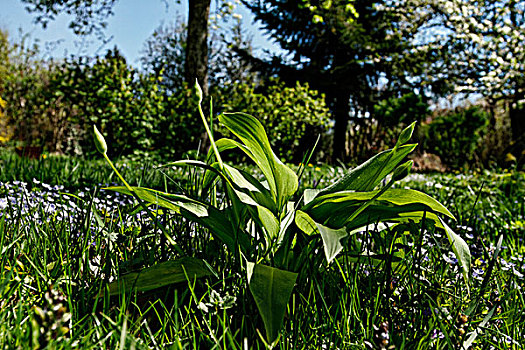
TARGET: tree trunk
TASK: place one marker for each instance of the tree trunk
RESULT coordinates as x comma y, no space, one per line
341,109
197,44
517,124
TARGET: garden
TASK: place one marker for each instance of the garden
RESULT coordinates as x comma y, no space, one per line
142,208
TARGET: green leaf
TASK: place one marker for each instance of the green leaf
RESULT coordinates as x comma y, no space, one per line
305,223
282,180
460,249
167,200
331,237
160,275
468,343
368,175
223,145
217,221
334,210
309,194
246,183
271,289
331,240
269,222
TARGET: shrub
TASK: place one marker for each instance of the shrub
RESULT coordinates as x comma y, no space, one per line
454,136
389,116
110,93
293,116
401,110
22,80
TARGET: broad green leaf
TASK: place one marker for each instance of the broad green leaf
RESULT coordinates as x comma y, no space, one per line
167,200
269,222
217,221
305,223
160,275
392,215
282,180
331,237
223,145
271,289
367,176
309,194
460,249
331,241
243,181
248,189
334,209
286,221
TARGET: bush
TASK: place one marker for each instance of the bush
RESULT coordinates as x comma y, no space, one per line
454,136
23,78
293,116
367,136
111,94
403,110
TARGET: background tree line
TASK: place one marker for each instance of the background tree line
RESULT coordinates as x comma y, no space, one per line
370,67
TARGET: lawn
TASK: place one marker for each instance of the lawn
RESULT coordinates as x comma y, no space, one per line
64,239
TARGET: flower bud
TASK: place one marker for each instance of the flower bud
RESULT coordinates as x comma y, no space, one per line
100,143
406,134
199,90
402,171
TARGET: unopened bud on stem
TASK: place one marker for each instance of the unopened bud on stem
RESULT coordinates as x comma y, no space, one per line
199,90
100,143
402,171
406,134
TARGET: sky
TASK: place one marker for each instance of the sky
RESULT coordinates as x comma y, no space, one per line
130,26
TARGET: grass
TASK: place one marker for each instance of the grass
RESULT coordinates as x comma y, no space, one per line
63,240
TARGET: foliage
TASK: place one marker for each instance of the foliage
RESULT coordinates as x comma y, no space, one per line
52,105
49,249
29,118
326,5
355,63
401,110
481,48
390,115
163,55
90,16
455,136
294,116
5,130
276,236
107,91
483,41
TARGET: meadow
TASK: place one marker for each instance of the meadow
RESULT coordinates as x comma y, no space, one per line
66,242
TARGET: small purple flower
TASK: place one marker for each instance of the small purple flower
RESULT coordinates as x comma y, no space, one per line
437,334
450,258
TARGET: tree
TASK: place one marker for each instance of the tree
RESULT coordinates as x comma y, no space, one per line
91,16
354,59
483,43
164,56
197,44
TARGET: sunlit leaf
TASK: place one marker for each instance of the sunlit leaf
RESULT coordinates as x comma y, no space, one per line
271,289
160,275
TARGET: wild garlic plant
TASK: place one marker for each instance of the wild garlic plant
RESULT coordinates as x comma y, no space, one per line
261,224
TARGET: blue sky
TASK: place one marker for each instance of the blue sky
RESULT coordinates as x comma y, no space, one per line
132,23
